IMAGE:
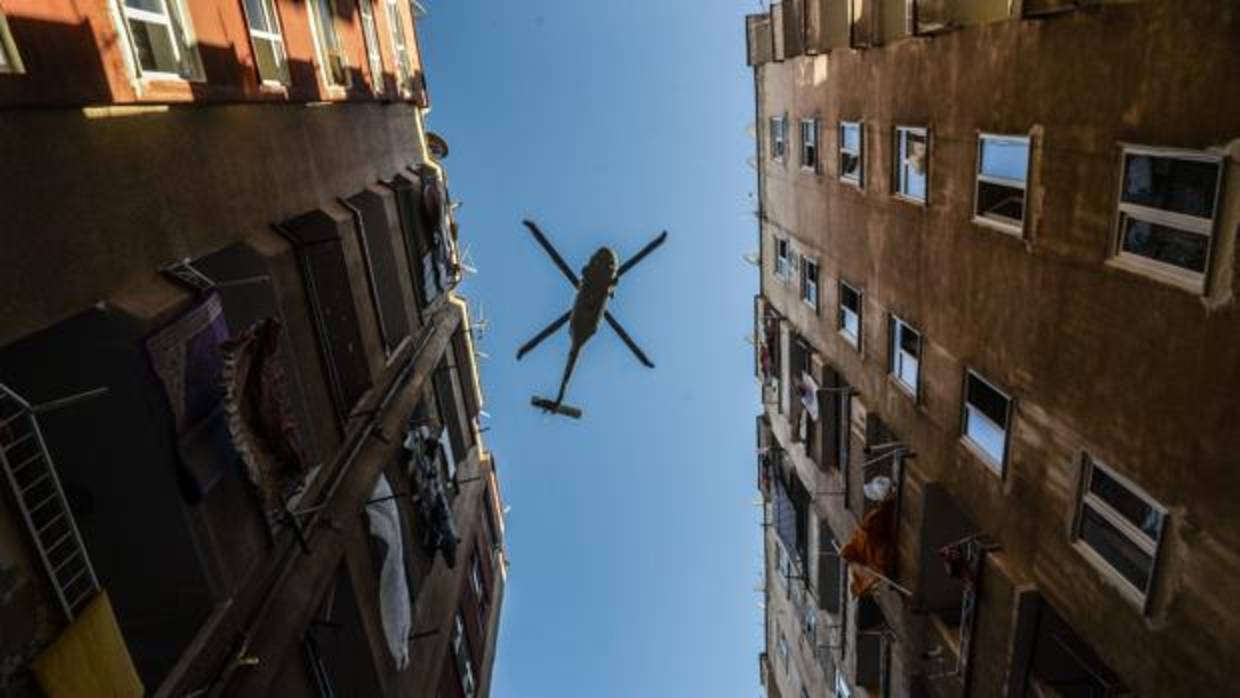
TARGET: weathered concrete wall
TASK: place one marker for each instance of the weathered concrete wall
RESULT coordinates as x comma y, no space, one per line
1099,359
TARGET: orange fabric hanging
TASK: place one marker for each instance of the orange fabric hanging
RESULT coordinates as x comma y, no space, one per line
873,546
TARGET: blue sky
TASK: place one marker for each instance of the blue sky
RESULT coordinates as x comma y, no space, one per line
633,535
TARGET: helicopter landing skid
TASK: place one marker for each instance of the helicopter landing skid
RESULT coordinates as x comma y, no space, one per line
546,405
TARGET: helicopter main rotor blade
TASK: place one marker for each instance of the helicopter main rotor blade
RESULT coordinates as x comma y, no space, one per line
551,251
628,341
547,332
650,247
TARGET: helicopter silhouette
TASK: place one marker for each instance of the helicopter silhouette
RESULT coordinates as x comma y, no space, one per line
595,287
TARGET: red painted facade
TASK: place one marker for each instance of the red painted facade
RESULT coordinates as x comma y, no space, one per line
80,53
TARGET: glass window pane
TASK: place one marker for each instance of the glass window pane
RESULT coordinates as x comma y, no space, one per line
848,322
1167,245
850,166
154,45
985,434
910,341
1171,184
1120,553
1127,504
155,6
256,12
989,401
998,201
850,299
270,55
913,154
850,137
1005,158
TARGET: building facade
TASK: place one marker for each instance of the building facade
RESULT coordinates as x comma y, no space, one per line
239,395
997,340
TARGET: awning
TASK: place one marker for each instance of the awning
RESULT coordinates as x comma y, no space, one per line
89,658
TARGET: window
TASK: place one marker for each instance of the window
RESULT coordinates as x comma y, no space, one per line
267,41
905,361
783,266
778,137
1118,526
464,666
1002,171
809,282
160,39
811,625
912,161
403,71
1167,204
475,578
850,314
809,144
10,60
986,415
334,63
852,155
374,55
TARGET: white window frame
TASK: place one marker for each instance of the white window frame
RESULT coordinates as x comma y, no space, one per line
900,165
898,357
468,684
276,38
374,50
182,41
841,685
1185,223
779,137
781,645
1134,535
8,50
852,338
809,145
809,282
327,43
859,180
1002,223
783,262
404,71
475,578
969,412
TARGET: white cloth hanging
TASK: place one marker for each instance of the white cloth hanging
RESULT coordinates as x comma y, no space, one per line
394,607
809,395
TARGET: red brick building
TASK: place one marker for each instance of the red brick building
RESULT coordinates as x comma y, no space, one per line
239,413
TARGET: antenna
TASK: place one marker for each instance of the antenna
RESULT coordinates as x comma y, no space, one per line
466,259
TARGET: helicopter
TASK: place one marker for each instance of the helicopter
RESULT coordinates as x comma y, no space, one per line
595,287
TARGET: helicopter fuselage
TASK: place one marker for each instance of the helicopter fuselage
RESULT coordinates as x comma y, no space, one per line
598,280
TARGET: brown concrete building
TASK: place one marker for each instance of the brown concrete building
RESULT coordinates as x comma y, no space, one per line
999,344
239,401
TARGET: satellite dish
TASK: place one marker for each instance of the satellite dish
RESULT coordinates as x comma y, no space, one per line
751,257
751,130
752,162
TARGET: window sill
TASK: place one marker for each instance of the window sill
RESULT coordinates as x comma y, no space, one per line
1012,229
273,88
1112,578
854,183
996,469
807,169
910,393
910,200
1187,281
851,340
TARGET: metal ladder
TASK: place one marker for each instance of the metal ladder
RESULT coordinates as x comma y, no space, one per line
31,475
